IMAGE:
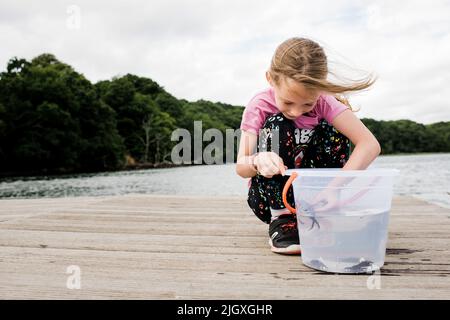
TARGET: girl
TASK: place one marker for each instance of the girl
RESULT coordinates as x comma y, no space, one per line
298,122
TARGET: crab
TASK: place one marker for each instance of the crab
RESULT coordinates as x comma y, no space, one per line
318,264
307,209
363,265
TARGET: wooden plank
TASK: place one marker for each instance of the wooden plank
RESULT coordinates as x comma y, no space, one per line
172,247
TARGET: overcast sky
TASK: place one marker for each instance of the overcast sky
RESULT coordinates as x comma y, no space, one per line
219,50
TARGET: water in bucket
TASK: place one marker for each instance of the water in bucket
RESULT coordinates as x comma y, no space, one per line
342,217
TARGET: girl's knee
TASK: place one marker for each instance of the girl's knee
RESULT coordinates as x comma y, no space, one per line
278,121
329,148
328,131
277,136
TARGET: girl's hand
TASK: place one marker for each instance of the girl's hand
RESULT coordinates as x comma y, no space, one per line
325,200
269,164
328,198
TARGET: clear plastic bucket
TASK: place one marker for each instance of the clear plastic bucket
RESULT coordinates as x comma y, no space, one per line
342,216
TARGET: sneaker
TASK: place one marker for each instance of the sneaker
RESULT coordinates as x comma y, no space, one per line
283,235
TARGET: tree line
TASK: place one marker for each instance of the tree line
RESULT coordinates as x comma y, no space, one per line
54,120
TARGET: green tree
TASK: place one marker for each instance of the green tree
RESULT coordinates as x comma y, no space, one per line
50,116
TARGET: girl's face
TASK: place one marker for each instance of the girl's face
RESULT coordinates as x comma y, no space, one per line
292,98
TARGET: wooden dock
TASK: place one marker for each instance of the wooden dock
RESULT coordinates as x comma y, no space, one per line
183,247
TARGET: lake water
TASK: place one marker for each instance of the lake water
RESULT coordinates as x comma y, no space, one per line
426,176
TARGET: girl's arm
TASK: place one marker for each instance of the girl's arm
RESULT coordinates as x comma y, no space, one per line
245,159
367,147
249,162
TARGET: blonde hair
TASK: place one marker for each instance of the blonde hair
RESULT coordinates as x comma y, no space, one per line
305,61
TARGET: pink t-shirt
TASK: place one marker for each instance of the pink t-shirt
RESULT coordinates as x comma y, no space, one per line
263,104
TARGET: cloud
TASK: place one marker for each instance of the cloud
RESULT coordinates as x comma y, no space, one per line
219,50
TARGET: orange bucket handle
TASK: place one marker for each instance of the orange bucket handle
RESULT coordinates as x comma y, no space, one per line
285,190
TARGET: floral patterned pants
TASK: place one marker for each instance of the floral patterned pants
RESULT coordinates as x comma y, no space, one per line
321,147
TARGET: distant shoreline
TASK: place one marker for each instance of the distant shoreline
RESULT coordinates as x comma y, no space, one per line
145,166
211,180
27,174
